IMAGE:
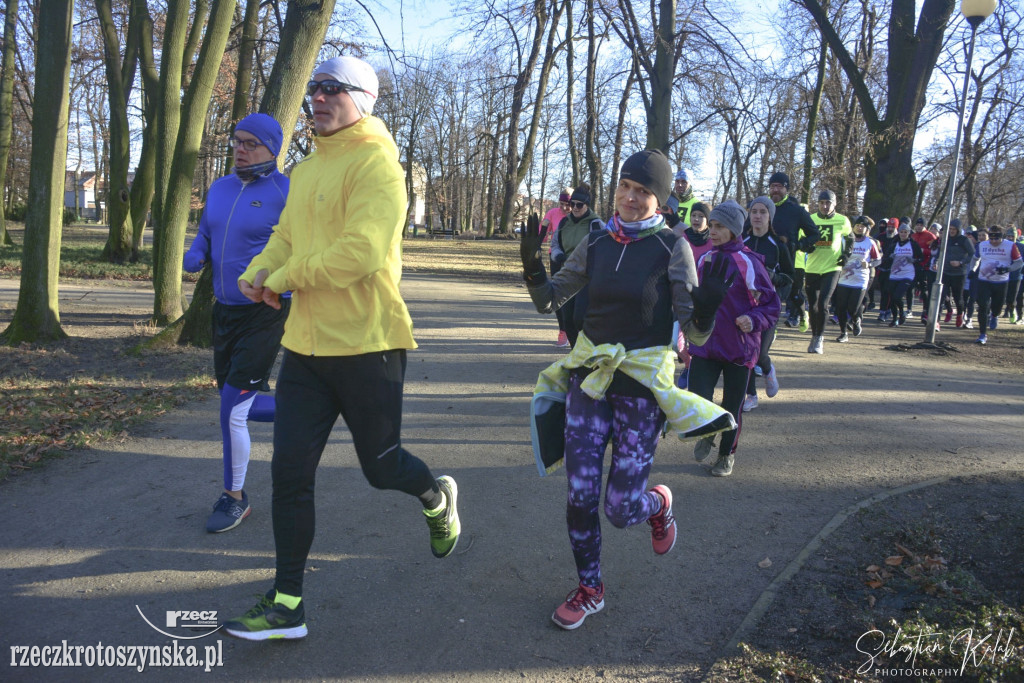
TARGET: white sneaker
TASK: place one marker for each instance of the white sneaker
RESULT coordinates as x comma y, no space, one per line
771,383
749,403
818,345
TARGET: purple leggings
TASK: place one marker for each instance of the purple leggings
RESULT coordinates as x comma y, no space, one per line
633,424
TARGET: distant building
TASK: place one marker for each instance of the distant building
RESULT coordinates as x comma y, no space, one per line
91,192
84,185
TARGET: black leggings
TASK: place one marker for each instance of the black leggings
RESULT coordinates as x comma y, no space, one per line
953,291
991,296
703,377
882,282
764,361
848,301
897,289
1013,289
819,291
312,391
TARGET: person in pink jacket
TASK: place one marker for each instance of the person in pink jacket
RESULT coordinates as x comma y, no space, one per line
750,307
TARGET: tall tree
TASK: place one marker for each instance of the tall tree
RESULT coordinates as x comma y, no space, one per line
656,89
37,317
120,75
7,105
516,163
176,194
890,178
145,173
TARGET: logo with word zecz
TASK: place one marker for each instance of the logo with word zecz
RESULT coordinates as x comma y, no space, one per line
190,619
182,619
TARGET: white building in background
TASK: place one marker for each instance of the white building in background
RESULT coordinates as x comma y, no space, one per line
89,196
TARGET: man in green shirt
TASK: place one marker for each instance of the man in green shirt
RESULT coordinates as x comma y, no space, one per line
824,264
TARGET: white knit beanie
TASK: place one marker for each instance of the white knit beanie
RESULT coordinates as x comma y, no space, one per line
353,71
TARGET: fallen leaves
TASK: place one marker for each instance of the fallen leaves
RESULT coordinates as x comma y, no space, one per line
907,562
40,418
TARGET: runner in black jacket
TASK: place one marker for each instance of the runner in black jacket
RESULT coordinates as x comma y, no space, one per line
762,240
793,225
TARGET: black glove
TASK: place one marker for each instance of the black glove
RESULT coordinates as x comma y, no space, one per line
708,296
780,280
806,245
530,250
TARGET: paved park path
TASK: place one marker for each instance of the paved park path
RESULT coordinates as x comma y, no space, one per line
92,542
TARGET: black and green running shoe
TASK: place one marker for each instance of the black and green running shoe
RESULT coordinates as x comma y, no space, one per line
269,620
444,525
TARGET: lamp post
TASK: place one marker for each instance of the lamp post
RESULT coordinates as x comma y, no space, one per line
975,11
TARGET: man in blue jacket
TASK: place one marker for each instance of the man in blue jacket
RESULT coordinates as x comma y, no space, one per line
241,212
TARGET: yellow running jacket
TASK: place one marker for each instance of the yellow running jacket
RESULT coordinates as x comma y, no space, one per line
338,247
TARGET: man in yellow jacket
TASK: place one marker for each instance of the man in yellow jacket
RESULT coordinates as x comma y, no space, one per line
337,249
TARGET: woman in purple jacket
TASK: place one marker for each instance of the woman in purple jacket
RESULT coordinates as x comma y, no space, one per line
749,308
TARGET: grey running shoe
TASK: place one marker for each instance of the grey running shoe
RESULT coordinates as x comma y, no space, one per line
723,466
702,449
771,383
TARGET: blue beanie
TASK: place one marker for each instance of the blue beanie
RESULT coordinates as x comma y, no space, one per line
266,129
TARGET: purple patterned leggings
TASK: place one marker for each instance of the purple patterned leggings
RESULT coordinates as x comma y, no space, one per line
633,425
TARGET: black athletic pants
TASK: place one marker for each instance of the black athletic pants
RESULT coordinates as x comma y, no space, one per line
897,289
848,301
882,282
703,377
953,291
819,289
312,391
991,296
764,361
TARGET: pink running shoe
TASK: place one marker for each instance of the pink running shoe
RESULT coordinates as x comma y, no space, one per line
563,340
663,524
578,605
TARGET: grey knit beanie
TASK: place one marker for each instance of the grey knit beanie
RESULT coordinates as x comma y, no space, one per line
731,215
768,204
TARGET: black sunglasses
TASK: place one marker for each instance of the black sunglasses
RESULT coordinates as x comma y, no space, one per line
577,205
330,87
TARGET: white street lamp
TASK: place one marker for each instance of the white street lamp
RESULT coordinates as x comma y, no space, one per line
975,11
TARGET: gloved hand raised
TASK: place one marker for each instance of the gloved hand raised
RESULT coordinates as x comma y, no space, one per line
713,286
530,250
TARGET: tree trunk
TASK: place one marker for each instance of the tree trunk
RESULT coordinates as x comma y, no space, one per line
145,173
590,127
570,123
302,36
517,164
812,121
169,118
37,317
168,303
243,76
118,248
659,111
890,180
7,106
511,179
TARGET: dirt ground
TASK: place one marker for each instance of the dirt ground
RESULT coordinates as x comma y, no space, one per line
941,490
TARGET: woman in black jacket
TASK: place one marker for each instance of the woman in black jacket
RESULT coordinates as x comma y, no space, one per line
959,252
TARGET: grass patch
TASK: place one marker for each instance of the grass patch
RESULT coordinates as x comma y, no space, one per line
41,418
478,260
